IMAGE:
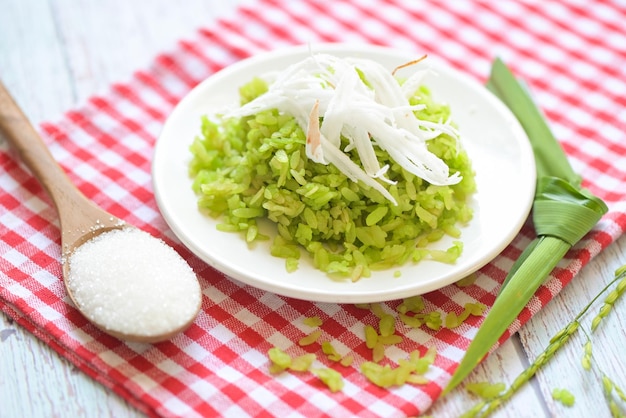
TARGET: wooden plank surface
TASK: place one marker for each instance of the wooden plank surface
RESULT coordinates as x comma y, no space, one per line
54,54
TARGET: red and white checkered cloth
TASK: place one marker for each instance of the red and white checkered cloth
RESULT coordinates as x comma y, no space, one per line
571,53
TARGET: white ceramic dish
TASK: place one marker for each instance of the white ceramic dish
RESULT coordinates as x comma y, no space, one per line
499,149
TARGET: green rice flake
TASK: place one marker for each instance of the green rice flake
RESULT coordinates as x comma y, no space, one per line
433,320
330,377
371,337
409,370
467,280
279,360
422,363
564,396
330,351
453,319
376,215
378,352
347,360
390,339
387,325
291,264
248,169
485,390
302,363
381,375
312,321
413,304
310,338
378,310
411,321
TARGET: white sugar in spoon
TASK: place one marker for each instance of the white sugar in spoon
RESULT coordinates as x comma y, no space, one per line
128,283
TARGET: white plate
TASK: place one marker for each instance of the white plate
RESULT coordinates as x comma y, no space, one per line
497,145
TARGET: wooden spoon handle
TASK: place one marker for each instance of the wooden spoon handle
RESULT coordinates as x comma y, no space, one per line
80,217
26,141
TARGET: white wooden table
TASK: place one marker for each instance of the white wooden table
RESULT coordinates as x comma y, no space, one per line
56,53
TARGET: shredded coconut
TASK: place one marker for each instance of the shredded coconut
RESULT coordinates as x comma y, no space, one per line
362,101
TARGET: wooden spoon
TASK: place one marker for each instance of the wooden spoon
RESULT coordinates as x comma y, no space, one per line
80,218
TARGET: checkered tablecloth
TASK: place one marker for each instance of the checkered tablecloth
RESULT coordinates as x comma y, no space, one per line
572,54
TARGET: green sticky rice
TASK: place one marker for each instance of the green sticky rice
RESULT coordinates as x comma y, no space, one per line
252,168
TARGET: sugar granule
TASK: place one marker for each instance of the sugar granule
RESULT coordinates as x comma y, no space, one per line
133,283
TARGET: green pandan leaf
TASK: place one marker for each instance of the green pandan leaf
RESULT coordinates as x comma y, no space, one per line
563,213
549,156
548,251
